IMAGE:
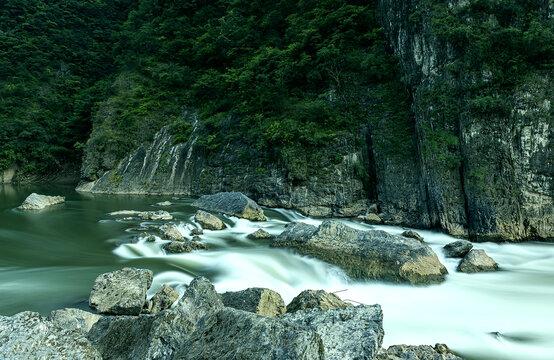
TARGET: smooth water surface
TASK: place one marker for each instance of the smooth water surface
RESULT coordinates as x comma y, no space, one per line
49,259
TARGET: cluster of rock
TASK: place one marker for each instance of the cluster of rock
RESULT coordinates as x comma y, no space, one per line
144,215
38,202
372,254
250,324
473,260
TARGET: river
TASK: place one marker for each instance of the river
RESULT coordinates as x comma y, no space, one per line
49,260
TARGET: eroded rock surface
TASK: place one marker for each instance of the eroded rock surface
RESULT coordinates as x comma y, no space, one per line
370,254
39,202
121,292
260,301
316,299
231,203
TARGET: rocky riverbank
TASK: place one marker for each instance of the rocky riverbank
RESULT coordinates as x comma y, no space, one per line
202,324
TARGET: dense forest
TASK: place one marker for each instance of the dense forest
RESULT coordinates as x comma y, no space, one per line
281,76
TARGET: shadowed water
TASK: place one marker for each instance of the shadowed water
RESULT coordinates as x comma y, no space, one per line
49,259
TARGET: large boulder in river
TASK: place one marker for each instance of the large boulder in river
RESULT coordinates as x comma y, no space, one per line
209,221
231,203
200,327
372,254
457,249
29,336
423,352
39,202
74,319
121,292
260,301
316,299
354,332
477,261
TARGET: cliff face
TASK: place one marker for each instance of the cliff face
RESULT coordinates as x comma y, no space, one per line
486,175
478,174
163,167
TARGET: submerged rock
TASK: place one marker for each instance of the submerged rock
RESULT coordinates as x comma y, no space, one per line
231,203
39,202
196,232
165,203
121,292
412,234
29,336
457,249
260,301
209,221
316,299
423,352
477,260
73,319
372,254
354,332
171,232
260,234
163,299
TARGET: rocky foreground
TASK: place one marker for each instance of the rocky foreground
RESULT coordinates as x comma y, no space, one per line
202,324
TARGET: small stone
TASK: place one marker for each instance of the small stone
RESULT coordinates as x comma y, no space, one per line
164,298
176,247
164,203
171,232
373,209
209,221
372,219
156,215
121,292
457,249
196,231
412,234
260,234
39,202
316,299
477,260
260,301
196,238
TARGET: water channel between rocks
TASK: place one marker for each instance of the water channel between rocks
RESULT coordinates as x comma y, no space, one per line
49,260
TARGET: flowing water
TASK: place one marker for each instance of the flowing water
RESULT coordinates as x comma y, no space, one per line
49,260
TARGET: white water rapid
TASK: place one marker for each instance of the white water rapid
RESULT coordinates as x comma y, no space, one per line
507,314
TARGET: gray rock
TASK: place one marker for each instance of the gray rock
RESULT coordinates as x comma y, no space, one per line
235,334
412,234
373,209
149,238
27,336
176,247
163,299
156,215
260,301
165,203
372,219
231,203
477,260
209,221
196,231
260,234
316,299
200,298
73,319
159,336
121,292
145,215
39,202
422,352
366,254
457,249
171,232
354,332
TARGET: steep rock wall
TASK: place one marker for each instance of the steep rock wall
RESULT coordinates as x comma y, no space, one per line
163,167
489,177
